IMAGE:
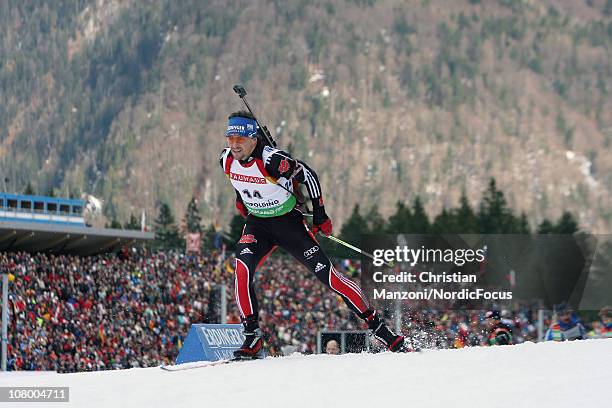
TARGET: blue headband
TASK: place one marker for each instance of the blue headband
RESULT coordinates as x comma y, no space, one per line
242,127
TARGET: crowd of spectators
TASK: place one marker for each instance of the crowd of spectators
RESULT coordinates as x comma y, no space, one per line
70,313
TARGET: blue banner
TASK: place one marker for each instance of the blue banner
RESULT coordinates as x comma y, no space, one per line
210,342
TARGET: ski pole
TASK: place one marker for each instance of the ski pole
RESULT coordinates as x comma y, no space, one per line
354,248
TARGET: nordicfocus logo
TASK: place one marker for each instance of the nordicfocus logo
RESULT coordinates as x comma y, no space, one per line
246,251
247,179
319,267
310,252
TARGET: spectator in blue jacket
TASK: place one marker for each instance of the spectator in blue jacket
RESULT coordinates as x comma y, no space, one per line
566,327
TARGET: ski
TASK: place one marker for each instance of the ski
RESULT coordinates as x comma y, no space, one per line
201,364
195,364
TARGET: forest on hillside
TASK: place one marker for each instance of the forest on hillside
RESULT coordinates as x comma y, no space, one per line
127,100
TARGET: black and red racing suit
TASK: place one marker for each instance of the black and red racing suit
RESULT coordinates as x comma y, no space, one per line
274,221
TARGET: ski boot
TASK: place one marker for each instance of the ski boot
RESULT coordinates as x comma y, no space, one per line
379,329
253,343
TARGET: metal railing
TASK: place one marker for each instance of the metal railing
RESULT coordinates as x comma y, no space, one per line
43,212
349,341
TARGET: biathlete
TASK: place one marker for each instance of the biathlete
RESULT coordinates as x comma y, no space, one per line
264,178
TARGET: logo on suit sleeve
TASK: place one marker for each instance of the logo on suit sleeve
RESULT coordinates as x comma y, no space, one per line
283,166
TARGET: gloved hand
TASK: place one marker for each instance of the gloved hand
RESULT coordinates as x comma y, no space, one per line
321,222
325,228
241,209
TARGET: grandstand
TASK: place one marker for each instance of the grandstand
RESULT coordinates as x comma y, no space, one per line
34,223
49,225
41,209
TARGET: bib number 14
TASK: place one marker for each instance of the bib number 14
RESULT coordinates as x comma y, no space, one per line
255,194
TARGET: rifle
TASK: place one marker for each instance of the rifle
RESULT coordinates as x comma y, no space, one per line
269,141
297,193
263,130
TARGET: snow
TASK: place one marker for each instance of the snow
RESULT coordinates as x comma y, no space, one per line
544,375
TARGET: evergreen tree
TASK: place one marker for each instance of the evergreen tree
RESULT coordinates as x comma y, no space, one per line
524,224
354,227
546,227
567,224
166,231
75,193
444,223
400,221
464,217
51,192
192,221
133,223
376,223
114,224
29,189
494,216
419,223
